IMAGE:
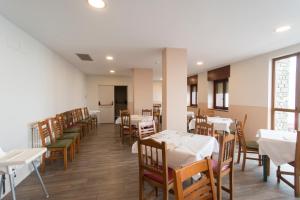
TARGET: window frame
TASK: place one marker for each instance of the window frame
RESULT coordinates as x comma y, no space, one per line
191,91
224,82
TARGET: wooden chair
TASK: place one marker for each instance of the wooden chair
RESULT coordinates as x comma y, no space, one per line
54,146
296,165
147,112
246,147
93,118
202,189
126,128
57,129
153,167
86,124
156,118
203,128
146,129
156,108
200,118
68,124
224,165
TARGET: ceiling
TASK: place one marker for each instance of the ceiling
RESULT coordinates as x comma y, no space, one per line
134,31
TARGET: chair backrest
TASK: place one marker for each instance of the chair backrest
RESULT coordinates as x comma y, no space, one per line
204,129
147,112
152,158
204,188
146,129
226,152
244,122
86,112
79,114
200,118
198,112
70,118
45,133
56,127
124,111
156,107
125,120
74,115
61,120
240,134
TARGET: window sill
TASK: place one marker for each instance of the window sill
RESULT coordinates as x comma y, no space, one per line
219,110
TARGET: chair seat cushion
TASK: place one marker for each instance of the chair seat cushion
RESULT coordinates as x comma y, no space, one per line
74,129
70,136
216,167
158,178
61,143
252,144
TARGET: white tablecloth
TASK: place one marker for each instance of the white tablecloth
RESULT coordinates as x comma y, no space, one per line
184,148
278,145
136,119
220,124
190,114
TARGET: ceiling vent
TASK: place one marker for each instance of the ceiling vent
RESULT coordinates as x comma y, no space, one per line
84,57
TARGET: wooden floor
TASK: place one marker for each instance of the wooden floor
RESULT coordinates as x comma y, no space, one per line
105,169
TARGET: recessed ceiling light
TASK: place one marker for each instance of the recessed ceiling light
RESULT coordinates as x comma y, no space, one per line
112,71
282,29
199,63
109,58
97,3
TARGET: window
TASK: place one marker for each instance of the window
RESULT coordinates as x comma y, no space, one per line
221,97
286,72
193,95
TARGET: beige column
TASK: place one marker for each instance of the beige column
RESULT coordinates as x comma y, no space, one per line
142,89
174,106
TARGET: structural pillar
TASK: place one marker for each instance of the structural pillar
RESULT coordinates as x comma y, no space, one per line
174,88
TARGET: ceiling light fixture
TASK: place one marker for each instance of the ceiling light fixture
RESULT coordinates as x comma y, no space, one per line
97,3
109,58
112,71
199,63
282,29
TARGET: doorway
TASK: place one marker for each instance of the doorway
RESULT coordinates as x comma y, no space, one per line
111,99
286,92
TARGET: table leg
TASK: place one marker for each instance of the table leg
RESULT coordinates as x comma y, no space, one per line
266,167
12,186
1,185
40,179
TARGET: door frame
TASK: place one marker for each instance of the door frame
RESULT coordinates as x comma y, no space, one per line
297,92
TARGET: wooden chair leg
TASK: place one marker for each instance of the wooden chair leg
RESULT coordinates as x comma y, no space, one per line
156,191
219,188
65,158
166,193
141,186
244,161
296,184
231,185
278,174
239,155
43,164
78,144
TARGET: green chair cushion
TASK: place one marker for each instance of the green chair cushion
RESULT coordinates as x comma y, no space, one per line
61,143
74,129
252,144
70,135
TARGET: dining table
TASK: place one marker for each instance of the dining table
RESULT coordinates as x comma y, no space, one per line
136,119
184,148
277,146
220,123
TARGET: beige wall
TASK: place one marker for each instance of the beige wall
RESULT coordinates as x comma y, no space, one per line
94,81
249,90
142,89
157,92
174,88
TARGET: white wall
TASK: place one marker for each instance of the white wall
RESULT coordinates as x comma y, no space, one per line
94,81
35,83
